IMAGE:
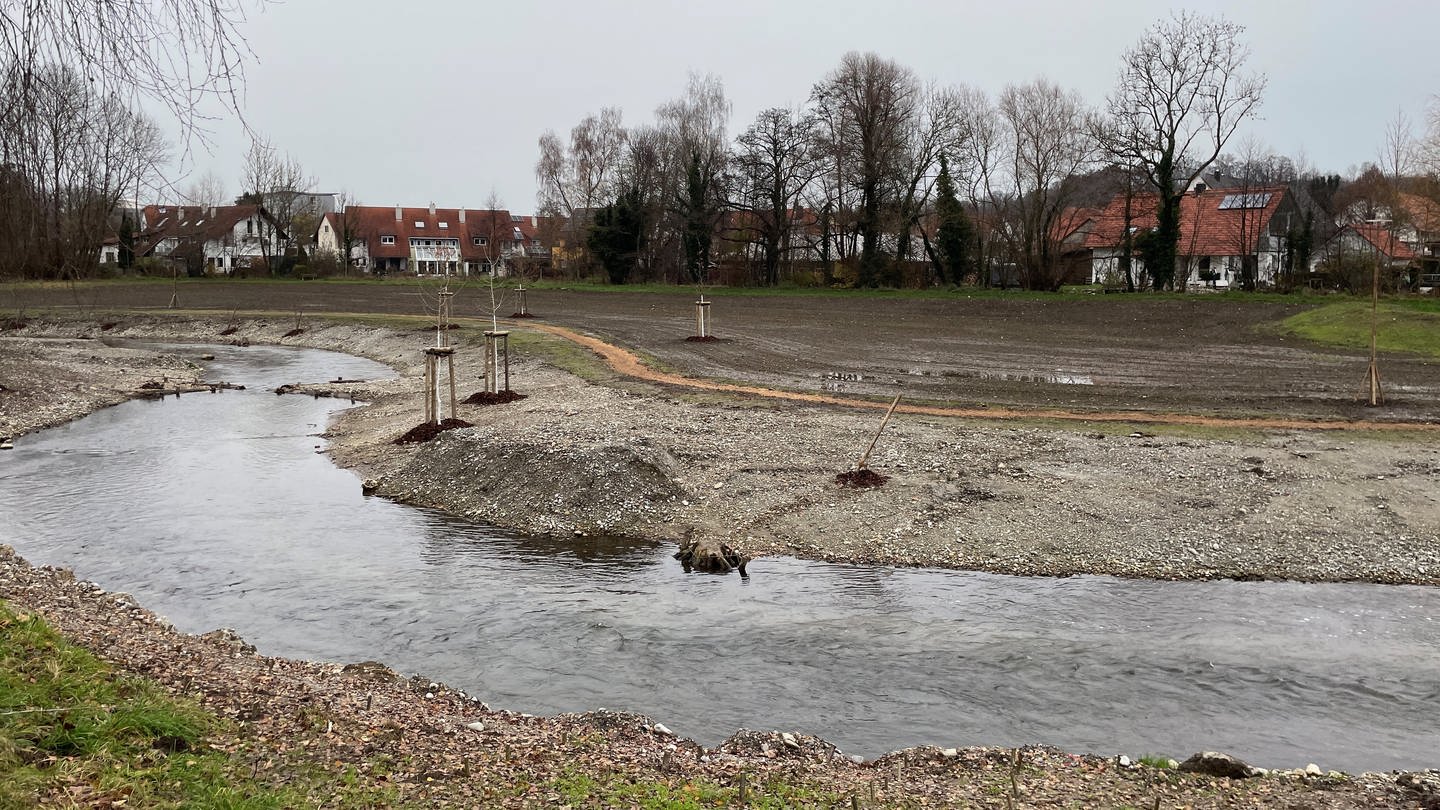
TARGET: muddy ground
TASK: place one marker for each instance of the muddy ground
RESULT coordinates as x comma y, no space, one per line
1197,354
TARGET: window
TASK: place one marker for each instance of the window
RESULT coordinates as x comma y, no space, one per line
419,224
387,240
480,241
535,242
445,225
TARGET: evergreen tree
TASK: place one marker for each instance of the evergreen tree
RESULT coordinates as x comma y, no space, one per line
127,241
698,216
616,236
953,233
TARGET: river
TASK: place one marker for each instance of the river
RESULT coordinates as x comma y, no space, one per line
218,510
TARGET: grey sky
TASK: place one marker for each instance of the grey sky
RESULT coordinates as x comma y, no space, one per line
443,100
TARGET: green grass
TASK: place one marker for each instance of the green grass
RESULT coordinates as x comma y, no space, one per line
1406,325
73,730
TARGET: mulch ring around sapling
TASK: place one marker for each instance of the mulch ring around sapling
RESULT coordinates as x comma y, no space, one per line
487,398
427,431
861,479
523,315
108,325
229,330
432,327
293,332
705,339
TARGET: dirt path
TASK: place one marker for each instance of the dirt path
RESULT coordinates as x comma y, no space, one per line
627,363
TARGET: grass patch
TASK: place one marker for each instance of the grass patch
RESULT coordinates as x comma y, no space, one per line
73,731
1408,325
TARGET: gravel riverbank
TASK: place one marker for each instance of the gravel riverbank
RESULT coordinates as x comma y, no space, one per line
601,455
619,457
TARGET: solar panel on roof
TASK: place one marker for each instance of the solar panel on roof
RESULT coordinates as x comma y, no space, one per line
1234,201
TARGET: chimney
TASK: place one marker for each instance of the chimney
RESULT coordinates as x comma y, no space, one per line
534,221
462,215
432,209
399,215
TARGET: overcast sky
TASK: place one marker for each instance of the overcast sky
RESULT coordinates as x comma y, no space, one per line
443,100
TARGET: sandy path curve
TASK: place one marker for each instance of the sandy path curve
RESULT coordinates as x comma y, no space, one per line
627,363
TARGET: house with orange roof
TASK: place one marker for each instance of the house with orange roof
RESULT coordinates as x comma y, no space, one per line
431,240
210,239
1367,241
1222,232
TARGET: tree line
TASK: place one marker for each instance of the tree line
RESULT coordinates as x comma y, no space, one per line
881,175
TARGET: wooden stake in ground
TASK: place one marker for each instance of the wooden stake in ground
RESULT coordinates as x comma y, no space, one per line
702,317
883,422
497,360
1372,376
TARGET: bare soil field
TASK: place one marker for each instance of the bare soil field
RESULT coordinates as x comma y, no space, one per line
1193,354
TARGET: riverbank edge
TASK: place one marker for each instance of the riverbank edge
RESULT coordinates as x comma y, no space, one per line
628,441
93,629
427,743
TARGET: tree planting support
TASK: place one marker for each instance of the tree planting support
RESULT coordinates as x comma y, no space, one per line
433,356
497,361
702,317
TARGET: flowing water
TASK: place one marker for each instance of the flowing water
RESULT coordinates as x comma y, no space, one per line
217,510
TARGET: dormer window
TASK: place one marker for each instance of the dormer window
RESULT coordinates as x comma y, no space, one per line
481,241
387,240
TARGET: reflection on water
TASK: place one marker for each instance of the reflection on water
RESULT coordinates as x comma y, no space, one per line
217,511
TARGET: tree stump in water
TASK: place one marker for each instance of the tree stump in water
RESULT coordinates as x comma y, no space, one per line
710,556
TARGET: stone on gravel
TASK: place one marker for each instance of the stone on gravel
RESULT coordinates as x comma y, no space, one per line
1213,763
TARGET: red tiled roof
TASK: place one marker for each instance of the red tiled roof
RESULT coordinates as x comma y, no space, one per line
372,222
1382,239
193,223
1206,229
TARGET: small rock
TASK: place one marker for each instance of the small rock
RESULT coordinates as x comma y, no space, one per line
475,726
1313,770
948,753
1123,761
789,740
659,728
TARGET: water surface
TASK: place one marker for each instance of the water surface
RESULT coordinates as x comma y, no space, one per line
218,510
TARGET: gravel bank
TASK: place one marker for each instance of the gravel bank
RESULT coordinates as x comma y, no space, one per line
629,458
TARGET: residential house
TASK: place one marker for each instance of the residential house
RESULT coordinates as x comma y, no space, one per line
431,241
216,239
1362,244
1221,230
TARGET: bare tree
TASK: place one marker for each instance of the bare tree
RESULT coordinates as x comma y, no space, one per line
68,155
871,106
1182,92
1398,153
939,129
773,165
693,129
177,53
575,179
206,191
1029,174
277,182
